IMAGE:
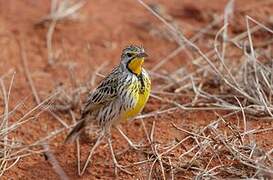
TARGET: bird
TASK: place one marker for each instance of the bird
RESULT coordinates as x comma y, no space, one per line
120,96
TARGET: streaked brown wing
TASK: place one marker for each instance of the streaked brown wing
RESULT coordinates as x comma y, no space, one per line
103,94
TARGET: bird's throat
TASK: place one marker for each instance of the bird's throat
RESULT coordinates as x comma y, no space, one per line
135,65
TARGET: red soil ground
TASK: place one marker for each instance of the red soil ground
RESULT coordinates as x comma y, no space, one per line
101,30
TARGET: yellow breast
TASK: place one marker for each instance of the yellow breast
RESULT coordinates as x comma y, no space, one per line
142,98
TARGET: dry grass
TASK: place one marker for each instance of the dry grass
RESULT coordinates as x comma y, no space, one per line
221,149
248,83
13,148
244,87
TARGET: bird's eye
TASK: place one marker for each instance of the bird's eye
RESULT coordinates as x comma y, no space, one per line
130,54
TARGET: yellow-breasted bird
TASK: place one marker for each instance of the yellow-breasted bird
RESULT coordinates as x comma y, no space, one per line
120,95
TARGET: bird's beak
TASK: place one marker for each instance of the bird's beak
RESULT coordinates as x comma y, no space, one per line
141,55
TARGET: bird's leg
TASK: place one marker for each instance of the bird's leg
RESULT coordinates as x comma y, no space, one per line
131,144
116,164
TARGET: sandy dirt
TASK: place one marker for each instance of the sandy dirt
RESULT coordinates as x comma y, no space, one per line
95,37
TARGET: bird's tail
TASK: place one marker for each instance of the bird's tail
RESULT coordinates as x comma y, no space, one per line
75,131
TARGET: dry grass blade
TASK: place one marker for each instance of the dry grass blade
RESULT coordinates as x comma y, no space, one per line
88,159
227,15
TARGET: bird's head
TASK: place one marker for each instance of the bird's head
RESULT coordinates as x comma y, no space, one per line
133,58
